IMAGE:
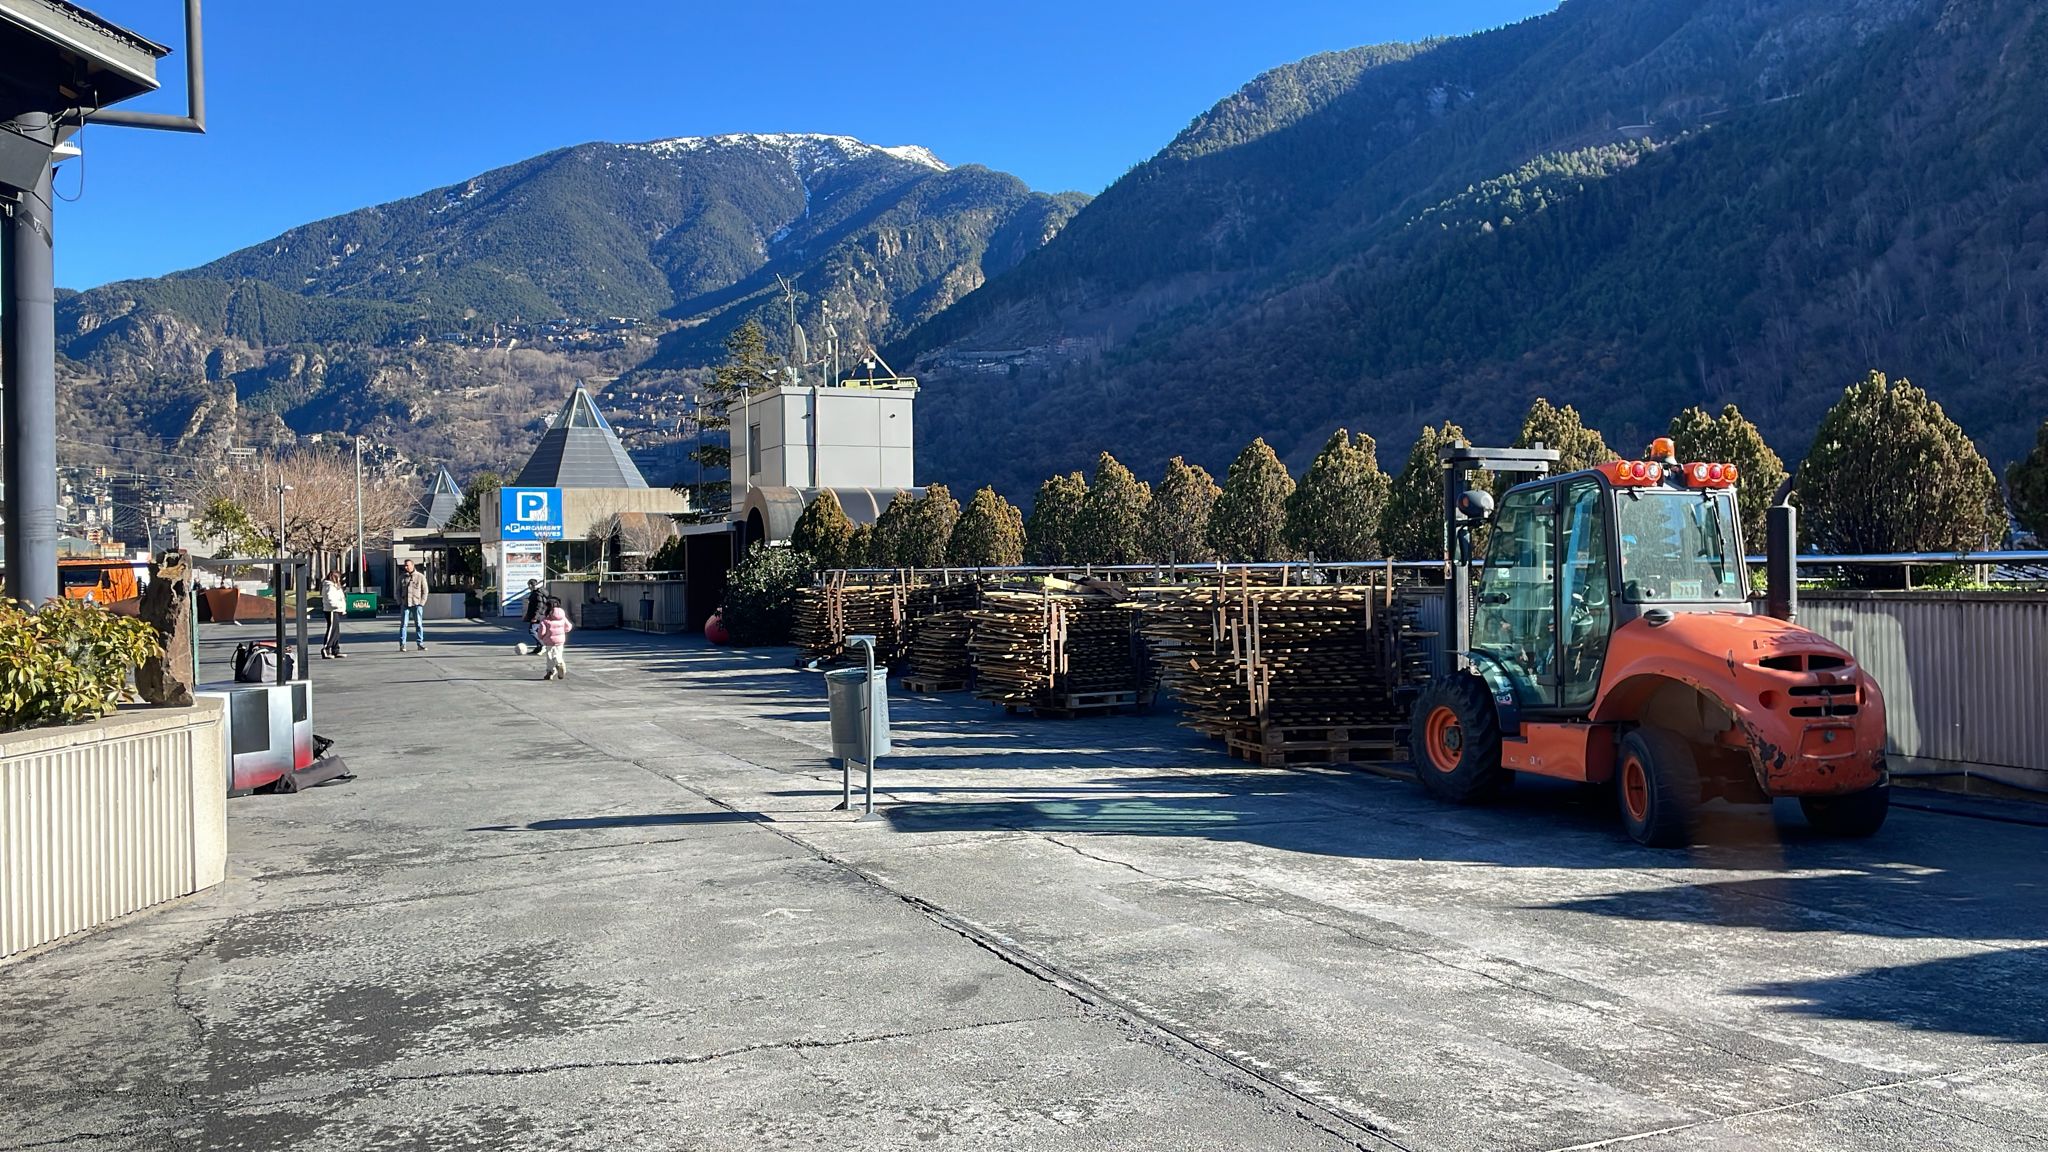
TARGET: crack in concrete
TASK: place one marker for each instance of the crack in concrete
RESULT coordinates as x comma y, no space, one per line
75,1138
799,1045
1872,1089
446,894
2002,1130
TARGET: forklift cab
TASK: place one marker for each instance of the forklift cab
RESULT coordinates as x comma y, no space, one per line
1572,558
1606,634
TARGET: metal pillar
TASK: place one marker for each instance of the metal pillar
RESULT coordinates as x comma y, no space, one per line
362,565
1457,623
28,407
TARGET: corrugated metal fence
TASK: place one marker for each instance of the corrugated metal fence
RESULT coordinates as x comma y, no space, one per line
104,820
1965,674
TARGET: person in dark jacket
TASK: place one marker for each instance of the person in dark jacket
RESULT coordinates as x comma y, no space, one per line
536,607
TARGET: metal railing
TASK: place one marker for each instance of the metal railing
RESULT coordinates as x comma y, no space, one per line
2000,559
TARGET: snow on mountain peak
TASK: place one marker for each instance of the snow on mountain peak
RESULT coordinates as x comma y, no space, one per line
814,148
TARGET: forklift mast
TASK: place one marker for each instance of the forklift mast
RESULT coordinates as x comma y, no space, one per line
1460,461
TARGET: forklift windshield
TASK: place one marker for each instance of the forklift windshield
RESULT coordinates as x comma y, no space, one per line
1678,545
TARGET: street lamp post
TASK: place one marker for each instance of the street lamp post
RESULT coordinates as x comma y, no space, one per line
282,488
362,567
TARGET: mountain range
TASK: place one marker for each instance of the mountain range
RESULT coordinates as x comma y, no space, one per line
452,322
1627,205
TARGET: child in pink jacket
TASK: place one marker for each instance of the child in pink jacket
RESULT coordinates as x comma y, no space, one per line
553,633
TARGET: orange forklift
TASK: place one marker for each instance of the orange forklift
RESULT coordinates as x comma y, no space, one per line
1607,635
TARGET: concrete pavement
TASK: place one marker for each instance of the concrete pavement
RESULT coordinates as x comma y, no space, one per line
618,912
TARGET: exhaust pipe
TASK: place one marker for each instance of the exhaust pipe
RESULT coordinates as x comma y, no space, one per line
1781,549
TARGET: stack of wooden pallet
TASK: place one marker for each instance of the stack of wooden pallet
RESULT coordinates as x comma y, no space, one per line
830,612
1292,674
936,627
1057,650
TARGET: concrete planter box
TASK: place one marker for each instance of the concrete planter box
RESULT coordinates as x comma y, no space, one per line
101,820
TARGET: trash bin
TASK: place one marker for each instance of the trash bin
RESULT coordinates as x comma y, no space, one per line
361,603
845,689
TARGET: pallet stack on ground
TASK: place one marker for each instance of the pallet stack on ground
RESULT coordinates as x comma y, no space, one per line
1056,650
1292,674
827,613
936,627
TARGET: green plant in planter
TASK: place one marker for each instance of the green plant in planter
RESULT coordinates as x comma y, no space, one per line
67,664
760,596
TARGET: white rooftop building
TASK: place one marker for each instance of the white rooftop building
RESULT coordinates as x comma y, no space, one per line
793,441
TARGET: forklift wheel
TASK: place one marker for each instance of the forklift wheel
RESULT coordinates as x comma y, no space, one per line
1658,785
1856,815
1455,740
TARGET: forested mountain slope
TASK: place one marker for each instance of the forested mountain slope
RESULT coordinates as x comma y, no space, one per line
1629,205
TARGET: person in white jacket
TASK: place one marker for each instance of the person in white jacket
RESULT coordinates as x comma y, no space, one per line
334,598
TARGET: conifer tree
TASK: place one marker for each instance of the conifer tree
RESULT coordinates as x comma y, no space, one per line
1334,514
860,548
822,531
1049,531
1731,439
1111,523
1890,472
888,544
747,368
1413,527
2028,479
929,530
1577,445
1249,522
1177,520
990,533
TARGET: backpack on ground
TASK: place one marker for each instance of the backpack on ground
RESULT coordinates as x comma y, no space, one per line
256,663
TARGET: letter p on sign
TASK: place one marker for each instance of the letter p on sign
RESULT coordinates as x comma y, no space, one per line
531,507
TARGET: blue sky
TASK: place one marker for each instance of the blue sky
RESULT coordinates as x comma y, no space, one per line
319,107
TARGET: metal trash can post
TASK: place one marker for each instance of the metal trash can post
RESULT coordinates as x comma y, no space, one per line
859,707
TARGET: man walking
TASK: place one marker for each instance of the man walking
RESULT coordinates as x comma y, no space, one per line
412,607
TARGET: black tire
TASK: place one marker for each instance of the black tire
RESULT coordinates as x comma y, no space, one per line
1854,816
1657,787
1454,740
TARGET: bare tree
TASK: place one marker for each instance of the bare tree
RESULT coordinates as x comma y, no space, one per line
319,505
633,536
641,535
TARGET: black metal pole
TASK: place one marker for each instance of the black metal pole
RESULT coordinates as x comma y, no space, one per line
1458,588
277,599
302,579
28,408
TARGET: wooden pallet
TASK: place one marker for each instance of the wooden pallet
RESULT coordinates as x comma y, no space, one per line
1073,704
1346,744
923,686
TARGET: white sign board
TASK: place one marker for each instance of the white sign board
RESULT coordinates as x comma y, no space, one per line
518,562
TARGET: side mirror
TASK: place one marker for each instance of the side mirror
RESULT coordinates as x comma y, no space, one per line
1475,506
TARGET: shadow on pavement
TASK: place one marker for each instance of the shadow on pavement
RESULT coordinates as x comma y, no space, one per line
2003,995
646,820
1873,900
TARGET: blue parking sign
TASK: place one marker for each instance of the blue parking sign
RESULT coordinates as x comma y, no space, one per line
530,513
